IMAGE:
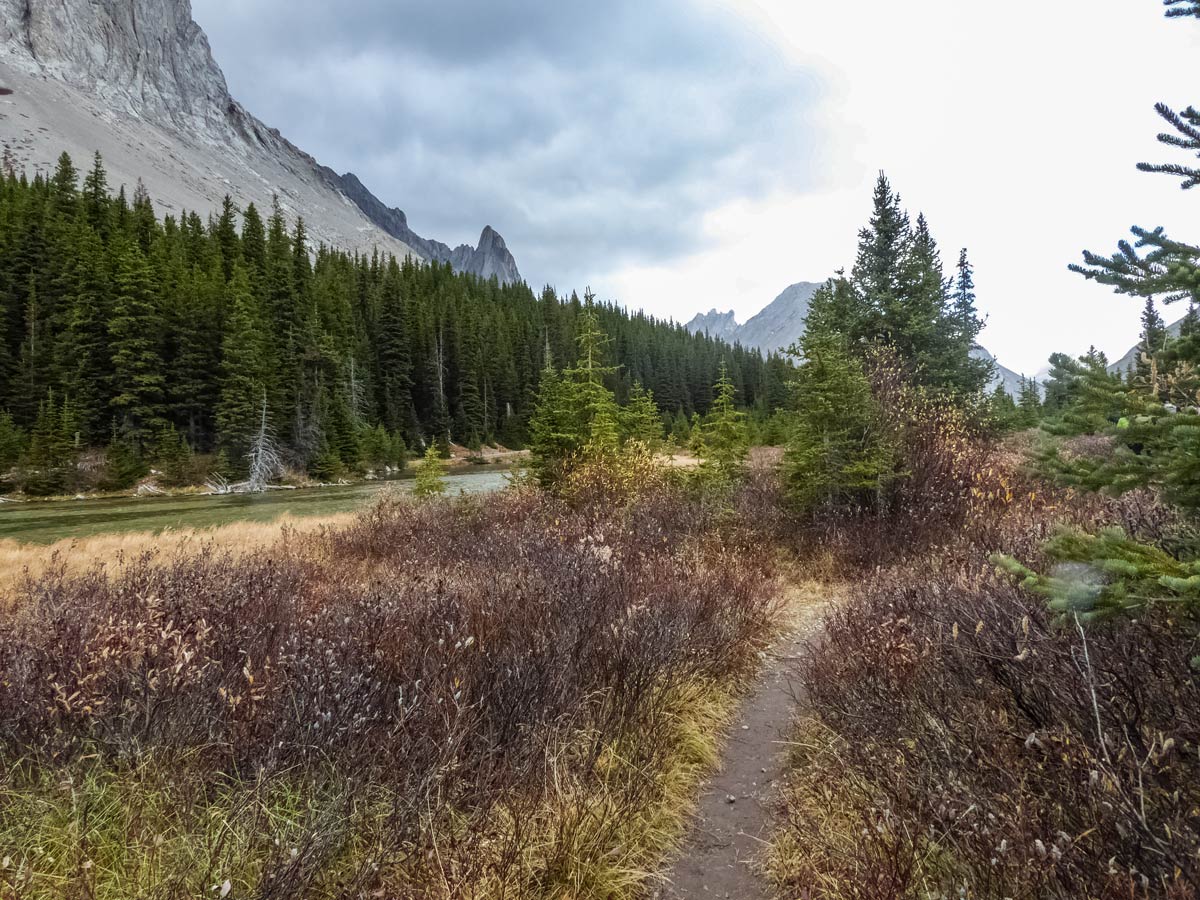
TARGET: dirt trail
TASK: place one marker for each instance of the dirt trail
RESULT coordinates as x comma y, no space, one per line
734,817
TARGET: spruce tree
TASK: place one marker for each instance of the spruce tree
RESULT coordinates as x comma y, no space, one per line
878,272
96,201
393,351
897,295
596,405
84,359
725,438
243,370
1151,343
641,420
555,431
431,475
34,364
1086,398
53,448
1029,403
838,455
137,367
1155,265
64,187
226,234
254,245
1002,410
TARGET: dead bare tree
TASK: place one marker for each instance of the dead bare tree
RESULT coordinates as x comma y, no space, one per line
266,462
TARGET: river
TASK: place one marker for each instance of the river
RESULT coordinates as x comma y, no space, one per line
47,522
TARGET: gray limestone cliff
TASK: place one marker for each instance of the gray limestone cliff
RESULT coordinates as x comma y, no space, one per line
720,325
136,81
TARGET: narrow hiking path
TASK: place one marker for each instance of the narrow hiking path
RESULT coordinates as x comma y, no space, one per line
734,816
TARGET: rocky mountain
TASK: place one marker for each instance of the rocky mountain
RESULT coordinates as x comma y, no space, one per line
136,81
773,330
490,258
781,324
720,325
1002,376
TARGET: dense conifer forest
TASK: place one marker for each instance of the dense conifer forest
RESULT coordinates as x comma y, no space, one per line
161,339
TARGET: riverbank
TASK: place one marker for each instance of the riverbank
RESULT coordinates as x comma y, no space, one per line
461,460
48,522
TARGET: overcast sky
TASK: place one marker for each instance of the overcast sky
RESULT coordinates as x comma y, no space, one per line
680,155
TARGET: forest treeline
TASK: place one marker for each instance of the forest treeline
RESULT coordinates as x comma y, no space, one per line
165,338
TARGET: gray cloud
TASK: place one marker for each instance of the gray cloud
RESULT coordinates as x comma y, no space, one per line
590,134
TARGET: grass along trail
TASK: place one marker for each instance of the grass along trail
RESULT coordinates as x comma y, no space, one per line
735,813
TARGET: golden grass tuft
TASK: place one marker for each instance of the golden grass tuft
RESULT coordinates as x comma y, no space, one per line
807,858
19,561
587,840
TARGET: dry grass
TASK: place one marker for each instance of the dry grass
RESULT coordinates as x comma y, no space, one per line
74,556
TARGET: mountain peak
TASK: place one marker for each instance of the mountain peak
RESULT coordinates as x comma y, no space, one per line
773,330
490,258
491,240
136,80
782,322
720,325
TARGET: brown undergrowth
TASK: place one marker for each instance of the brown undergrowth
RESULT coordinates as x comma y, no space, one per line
501,697
957,739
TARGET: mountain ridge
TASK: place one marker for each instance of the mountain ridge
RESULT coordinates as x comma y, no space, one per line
772,330
137,81
491,257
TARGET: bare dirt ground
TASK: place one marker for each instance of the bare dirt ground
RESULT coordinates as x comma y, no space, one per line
735,814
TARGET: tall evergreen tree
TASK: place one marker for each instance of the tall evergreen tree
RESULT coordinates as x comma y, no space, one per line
1151,344
641,420
84,359
726,441
878,273
597,407
555,434
96,201
243,370
838,455
138,381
